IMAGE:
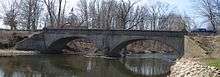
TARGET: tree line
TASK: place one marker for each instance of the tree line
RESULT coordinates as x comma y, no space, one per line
102,14
210,11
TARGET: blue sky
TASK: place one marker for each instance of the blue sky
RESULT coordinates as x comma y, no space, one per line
183,6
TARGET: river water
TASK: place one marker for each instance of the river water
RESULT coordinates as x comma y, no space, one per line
78,66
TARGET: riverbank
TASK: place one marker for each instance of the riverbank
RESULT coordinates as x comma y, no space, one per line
10,52
192,67
215,62
201,58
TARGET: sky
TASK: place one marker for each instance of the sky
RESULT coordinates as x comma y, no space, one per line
181,5
184,7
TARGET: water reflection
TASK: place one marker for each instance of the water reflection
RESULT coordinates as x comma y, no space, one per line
77,66
148,67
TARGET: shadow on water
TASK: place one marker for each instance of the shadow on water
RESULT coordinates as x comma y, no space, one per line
78,66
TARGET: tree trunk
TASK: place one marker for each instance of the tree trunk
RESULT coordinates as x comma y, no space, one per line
59,13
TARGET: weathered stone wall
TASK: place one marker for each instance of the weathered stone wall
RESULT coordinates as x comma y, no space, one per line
9,38
192,49
108,41
6,35
34,42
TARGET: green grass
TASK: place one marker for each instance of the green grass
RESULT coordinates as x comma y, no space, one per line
212,62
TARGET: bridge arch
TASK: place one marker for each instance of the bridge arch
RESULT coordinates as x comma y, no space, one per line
58,45
116,51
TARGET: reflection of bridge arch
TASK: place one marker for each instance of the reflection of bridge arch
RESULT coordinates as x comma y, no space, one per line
147,68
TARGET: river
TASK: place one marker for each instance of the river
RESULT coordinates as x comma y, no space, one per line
79,66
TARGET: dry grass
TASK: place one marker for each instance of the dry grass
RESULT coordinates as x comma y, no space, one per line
210,44
207,43
215,62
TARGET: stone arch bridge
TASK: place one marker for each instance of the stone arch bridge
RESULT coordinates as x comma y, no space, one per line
109,41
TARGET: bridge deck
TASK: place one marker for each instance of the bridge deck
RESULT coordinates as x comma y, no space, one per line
117,32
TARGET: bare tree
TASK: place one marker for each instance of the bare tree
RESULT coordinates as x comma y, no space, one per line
107,14
156,12
30,13
59,13
83,5
121,15
63,16
137,18
56,14
11,14
124,8
210,10
98,14
50,4
173,22
73,21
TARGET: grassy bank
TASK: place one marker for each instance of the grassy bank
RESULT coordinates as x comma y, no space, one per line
209,50
215,62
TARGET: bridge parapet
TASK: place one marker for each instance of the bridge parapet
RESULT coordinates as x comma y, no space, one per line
117,32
